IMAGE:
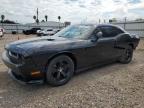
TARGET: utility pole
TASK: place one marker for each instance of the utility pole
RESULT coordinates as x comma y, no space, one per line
104,21
17,26
37,19
99,21
125,19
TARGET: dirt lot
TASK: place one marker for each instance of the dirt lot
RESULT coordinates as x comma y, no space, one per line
111,86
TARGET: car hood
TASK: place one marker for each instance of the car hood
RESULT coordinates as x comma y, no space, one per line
43,44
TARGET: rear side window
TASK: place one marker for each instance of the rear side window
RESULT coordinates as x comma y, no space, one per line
49,30
36,28
109,31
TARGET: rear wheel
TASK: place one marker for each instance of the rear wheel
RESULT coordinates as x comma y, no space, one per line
127,55
60,70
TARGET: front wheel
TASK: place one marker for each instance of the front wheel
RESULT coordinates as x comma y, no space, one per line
127,55
60,70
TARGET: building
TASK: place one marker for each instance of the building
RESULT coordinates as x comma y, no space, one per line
43,25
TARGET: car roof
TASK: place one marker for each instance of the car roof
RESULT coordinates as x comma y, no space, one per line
108,25
99,25
87,24
111,25
102,25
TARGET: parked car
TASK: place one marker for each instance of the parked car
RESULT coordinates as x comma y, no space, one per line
56,59
56,30
31,31
47,32
40,32
14,32
1,32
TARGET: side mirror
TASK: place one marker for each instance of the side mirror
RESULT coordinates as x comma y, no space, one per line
96,36
99,34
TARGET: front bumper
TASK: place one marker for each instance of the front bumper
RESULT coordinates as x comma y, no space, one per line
22,72
22,81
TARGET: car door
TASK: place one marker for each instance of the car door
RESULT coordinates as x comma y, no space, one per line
108,41
103,49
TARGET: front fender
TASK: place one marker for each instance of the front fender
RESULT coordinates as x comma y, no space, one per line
42,60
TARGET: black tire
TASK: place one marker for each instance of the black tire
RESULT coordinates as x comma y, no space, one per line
60,70
127,56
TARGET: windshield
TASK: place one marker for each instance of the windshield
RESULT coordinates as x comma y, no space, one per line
75,31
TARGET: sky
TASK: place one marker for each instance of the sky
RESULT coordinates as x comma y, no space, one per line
75,11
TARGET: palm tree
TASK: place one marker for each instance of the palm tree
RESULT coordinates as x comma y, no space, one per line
42,20
37,21
59,18
34,17
2,18
46,17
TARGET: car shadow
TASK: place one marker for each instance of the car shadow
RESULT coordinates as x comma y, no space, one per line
96,68
12,89
102,70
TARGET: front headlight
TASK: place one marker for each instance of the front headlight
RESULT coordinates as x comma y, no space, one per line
15,55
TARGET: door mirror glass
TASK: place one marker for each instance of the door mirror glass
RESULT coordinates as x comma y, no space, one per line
99,34
96,36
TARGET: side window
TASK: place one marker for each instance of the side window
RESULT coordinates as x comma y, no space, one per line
109,31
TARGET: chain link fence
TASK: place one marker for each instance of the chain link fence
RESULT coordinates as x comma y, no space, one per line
132,27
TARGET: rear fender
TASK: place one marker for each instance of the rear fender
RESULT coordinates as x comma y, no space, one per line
122,41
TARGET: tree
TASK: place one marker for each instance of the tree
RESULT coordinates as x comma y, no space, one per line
2,18
59,18
46,17
43,21
112,20
34,17
139,19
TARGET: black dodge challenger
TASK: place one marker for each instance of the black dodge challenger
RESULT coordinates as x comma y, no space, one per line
78,47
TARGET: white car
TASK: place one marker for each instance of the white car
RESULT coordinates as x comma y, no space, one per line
47,32
1,32
39,32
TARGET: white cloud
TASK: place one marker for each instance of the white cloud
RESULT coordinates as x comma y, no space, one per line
69,10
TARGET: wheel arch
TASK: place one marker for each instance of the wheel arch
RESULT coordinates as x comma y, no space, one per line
132,45
69,54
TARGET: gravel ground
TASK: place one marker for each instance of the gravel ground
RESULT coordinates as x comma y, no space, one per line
112,86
